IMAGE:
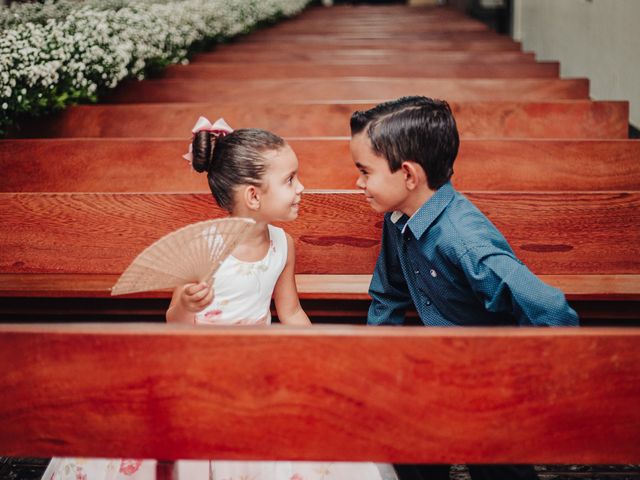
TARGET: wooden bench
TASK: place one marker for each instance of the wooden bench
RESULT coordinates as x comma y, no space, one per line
458,28
240,70
75,245
362,18
535,119
383,394
352,89
364,56
421,28
305,44
429,33
154,165
376,22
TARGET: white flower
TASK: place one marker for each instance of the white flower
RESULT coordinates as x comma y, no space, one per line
48,47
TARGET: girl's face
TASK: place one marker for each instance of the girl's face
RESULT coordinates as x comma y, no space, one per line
281,190
385,191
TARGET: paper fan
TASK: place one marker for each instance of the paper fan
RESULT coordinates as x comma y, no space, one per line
189,254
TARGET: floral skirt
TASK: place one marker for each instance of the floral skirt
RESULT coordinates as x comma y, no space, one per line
131,469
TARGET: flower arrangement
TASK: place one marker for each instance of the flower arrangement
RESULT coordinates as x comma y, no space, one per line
58,53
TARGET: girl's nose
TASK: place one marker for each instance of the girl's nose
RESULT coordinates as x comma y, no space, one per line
300,188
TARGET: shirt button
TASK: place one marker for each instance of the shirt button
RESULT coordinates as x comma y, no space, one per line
416,271
433,273
428,302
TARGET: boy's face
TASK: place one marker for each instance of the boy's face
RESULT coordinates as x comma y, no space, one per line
385,191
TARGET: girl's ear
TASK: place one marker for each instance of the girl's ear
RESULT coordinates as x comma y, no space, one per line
414,175
251,197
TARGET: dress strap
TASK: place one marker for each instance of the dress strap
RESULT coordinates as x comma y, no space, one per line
278,245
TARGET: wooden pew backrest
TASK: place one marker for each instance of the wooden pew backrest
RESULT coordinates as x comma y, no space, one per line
240,70
154,165
336,393
353,89
570,119
336,232
310,43
365,56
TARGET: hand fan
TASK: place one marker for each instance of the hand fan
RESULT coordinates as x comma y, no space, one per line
189,254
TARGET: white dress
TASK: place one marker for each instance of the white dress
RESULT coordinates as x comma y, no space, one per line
242,296
243,290
129,469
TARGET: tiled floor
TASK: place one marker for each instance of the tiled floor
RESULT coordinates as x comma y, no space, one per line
22,468
589,472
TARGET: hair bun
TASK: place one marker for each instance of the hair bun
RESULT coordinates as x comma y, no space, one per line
202,150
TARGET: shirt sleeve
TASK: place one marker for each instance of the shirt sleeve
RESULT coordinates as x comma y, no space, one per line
388,289
505,285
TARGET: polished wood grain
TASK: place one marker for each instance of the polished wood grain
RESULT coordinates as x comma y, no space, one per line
377,24
153,165
436,28
354,89
239,70
535,119
424,26
365,56
321,393
303,43
553,233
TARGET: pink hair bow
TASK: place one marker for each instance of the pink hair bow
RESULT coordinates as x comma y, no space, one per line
220,128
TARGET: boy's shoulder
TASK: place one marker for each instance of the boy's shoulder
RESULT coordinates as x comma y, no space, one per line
464,225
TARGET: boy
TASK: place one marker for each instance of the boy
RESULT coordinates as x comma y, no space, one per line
439,252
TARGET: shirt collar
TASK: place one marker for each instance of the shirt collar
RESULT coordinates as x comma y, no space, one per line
422,219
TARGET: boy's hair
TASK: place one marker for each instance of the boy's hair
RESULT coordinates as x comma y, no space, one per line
417,129
232,160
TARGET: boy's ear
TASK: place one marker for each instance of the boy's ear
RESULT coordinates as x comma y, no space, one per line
251,197
414,175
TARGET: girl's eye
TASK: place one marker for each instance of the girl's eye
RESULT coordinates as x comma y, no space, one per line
291,179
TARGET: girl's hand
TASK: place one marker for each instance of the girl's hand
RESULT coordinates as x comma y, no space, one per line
196,296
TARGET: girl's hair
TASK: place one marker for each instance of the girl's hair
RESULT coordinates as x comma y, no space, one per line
418,129
232,160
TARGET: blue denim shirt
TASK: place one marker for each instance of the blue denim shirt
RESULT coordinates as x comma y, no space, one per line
454,265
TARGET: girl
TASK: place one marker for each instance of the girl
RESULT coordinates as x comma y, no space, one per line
253,174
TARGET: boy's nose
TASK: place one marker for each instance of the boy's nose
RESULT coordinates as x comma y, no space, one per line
300,188
360,182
